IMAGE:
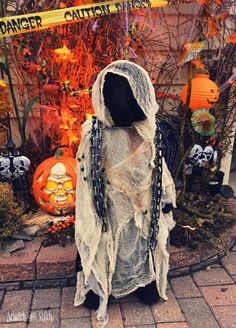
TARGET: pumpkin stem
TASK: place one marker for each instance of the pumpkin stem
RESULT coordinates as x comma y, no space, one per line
59,153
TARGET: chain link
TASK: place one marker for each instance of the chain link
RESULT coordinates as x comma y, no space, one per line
97,173
156,189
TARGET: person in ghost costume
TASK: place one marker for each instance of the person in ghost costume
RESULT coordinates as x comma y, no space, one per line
125,192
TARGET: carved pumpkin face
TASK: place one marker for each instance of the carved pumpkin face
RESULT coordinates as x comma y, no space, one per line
74,101
54,185
204,92
30,67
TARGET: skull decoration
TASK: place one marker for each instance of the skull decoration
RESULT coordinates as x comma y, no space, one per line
5,164
12,163
54,185
199,157
21,164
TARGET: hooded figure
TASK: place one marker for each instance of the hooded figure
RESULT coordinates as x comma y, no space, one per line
117,260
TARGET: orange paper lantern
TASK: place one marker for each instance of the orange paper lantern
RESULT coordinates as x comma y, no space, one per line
204,92
54,184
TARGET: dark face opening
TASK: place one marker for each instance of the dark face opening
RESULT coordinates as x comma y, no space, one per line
120,101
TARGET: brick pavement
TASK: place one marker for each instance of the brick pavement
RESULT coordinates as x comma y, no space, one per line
206,299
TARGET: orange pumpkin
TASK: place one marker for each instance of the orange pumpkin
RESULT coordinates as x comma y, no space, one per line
54,184
30,67
204,92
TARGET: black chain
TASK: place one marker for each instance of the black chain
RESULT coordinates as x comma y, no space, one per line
156,189
97,173
98,180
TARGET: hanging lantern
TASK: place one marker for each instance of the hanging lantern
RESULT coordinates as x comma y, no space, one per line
54,184
204,92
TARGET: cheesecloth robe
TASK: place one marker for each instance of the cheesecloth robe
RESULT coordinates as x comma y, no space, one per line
114,262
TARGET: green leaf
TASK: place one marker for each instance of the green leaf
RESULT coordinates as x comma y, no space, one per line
27,111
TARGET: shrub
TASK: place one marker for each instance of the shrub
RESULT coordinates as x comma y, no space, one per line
10,212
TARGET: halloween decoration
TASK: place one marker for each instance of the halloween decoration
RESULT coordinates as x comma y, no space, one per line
63,54
204,92
12,163
54,184
203,122
5,106
51,88
227,191
231,38
74,100
60,232
189,51
30,67
200,157
121,172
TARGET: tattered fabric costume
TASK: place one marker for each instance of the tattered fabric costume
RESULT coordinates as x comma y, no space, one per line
115,243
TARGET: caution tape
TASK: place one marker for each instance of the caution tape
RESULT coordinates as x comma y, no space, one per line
37,21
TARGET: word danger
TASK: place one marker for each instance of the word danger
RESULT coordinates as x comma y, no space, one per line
106,9
19,24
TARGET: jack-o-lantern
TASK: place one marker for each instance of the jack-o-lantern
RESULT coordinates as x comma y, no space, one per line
30,67
54,185
204,92
74,100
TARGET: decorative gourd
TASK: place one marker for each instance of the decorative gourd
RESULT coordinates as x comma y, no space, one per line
54,184
204,92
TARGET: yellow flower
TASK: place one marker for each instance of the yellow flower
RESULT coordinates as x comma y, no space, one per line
3,84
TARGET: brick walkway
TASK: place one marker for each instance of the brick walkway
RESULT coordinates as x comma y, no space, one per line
205,300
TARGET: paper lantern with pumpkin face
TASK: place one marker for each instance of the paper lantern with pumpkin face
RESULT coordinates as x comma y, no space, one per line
204,92
54,185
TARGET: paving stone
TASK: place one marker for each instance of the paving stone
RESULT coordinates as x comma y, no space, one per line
225,315
16,306
219,295
44,324
145,326
229,262
46,298
234,278
68,310
184,287
76,323
115,319
172,325
21,265
13,325
10,285
56,262
136,314
167,311
217,276
197,313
